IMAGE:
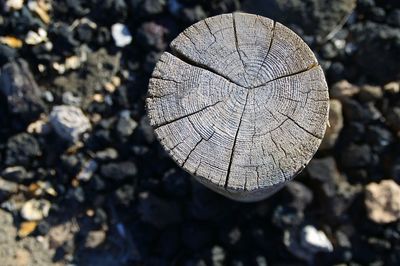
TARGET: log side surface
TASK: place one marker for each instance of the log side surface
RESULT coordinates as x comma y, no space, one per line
241,104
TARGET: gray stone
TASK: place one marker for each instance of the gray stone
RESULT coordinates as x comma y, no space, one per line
125,125
21,90
69,122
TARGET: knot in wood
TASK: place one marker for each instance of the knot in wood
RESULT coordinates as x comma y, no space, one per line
241,104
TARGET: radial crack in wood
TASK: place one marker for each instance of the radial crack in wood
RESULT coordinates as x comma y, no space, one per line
241,104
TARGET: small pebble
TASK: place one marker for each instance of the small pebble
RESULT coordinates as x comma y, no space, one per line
26,228
107,154
153,7
69,122
48,96
7,188
87,171
95,238
15,173
125,194
118,170
174,7
151,34
218,256
40,126
13,5
121,35
11,41
261,261
306,242
382,201
34,38
392,87
68,98
315,240
35,210
41,9
126,125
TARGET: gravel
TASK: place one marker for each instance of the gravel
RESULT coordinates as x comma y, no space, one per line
84,181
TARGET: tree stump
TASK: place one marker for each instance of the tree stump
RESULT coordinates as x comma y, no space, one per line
242,104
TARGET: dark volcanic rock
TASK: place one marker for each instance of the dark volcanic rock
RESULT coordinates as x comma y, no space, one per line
356,156
355,111
148,7
325,171
378,137
7,188
378,50
176,183
118,170
20,88
393,118
292,213
16,174
298,195
125,194
313,17
158,212
151,36
196,236
393,18
117,198
6,54
22,149
125,125
193,14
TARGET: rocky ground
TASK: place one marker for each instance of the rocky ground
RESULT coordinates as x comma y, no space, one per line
84,182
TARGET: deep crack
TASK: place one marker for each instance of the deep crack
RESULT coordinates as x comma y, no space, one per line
297,124
189,61
234,142
314,65
187,115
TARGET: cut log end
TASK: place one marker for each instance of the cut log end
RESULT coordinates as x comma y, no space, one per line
241,104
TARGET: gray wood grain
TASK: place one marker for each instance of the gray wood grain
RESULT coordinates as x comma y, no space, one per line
242,104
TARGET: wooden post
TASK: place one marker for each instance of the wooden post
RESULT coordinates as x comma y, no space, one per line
242,104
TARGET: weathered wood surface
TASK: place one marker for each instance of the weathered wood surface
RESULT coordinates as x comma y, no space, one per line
242,104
